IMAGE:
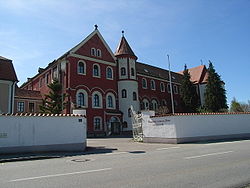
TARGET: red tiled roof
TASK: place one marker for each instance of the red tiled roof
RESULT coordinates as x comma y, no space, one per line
30,94
124,48
198,74
7,71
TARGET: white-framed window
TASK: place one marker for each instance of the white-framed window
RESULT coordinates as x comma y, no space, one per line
54,73
96,70
20,106
132,71
162,86
145,104
144,83
123,71
98,53
109,73
81,68
81,98
97,123
175,89
124,93
93,51
134,96
47,78
97,100
110,101
31,107
154,104
168,88
152,84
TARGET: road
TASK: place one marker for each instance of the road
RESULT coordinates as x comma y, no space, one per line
119,162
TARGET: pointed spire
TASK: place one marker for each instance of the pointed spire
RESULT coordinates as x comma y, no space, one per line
124,48
185,67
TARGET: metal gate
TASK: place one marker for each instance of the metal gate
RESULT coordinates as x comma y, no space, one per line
137,126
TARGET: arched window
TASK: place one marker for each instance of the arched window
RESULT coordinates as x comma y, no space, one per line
129,112
81,98
96,70
162,86
123,71
81,101
93,51
109,73
144,83
124,93
110,101
134,96
145,104
152,84
96,100
99,53
97,123
154,104
132,72
168,87
175,89
81,67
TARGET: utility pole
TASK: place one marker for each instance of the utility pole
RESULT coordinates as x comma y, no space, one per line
171,89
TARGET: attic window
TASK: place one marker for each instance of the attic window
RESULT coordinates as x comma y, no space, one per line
99,53
93,51
145,70
173,77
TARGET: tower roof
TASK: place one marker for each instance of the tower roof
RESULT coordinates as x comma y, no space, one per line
124,48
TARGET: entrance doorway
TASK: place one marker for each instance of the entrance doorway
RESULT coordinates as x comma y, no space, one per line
115,126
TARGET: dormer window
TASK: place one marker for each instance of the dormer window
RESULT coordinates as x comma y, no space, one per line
123,71
93,51
99,53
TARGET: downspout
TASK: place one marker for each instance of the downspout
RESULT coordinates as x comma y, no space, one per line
12,97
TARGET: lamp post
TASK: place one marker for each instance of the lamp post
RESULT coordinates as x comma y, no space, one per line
170,82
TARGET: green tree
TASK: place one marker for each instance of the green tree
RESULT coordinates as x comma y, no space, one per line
189,97
215,94
53,102
235,106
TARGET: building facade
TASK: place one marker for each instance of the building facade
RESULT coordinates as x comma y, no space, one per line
8,80
107,84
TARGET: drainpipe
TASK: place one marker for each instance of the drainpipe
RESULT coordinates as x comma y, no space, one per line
12,97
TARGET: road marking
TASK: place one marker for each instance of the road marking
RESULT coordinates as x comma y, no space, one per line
210,154
159,149
115,153
231,142
58,175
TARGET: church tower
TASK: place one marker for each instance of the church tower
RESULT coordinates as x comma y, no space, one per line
127,81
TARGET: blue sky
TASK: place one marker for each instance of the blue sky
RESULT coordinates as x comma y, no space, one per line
35,32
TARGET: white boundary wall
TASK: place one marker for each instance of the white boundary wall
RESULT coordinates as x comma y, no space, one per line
196,127
42,133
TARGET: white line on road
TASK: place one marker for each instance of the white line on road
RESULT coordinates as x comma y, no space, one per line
159,149
57,175
221,143
210,154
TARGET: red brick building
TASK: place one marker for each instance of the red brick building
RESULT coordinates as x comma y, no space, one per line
107,84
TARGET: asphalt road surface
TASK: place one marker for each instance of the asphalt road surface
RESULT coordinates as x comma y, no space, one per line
119,162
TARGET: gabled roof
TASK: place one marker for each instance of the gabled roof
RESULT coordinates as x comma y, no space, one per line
95,32
152,71
198,74
124,48
7,71
28,94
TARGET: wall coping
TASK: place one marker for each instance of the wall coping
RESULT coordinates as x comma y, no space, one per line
198,114
43,115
